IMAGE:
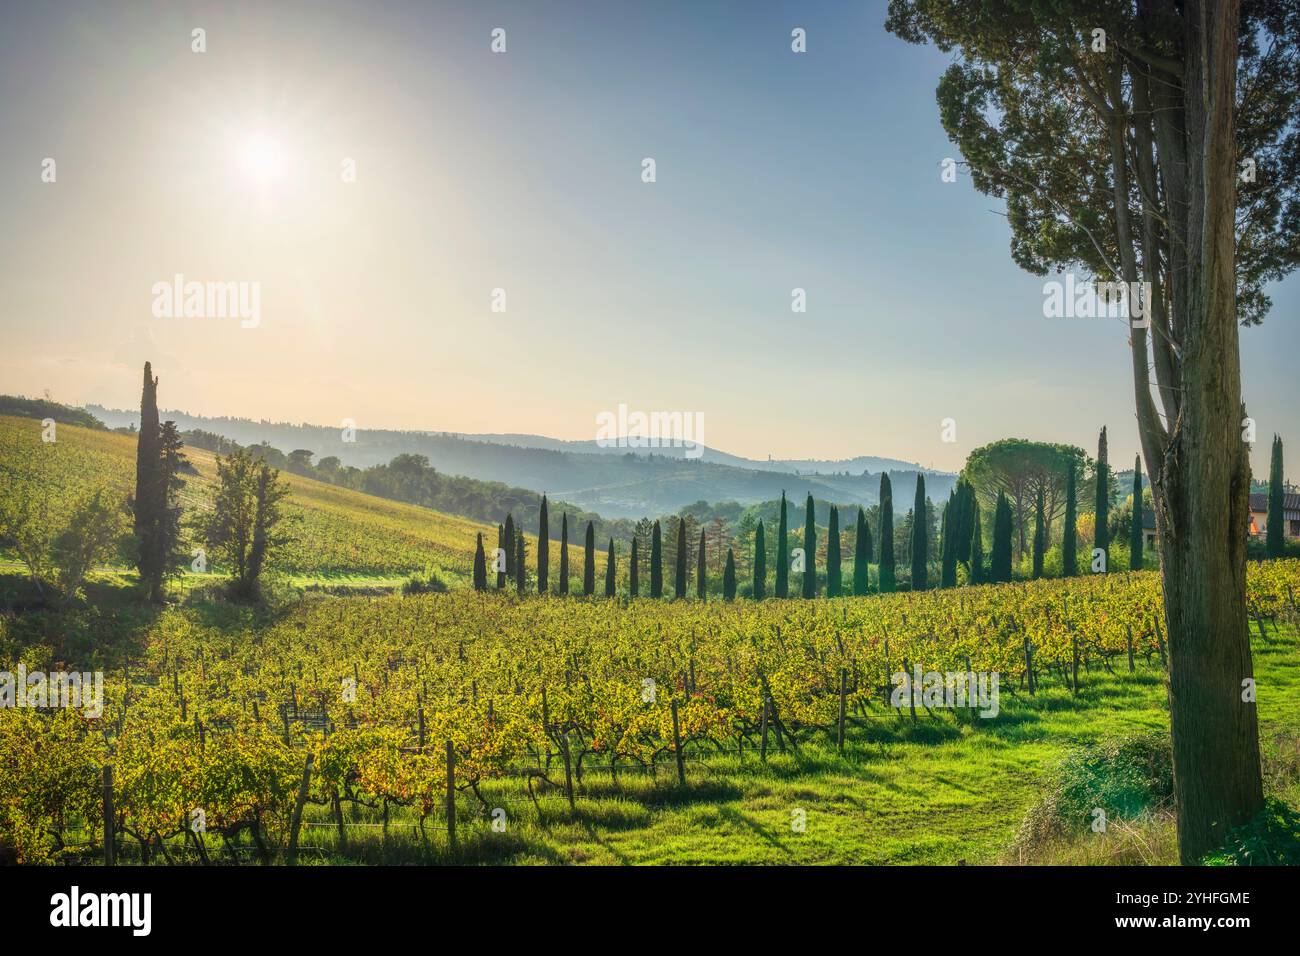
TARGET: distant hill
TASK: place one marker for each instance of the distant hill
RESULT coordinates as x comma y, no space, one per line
616,483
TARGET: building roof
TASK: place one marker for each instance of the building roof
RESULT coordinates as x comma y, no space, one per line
1148,520
1290,505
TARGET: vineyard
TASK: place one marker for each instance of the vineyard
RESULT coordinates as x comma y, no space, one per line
451,716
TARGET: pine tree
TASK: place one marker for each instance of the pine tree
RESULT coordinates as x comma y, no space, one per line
1274,537
760,563
543,549
521,569
729,577
920,538
480,566
862,555
782,556
633,582
887,584
564,553
1040,542
834,581
1000,559
1135,529
656,563
701,586
1070,542
809,551
965,515
948,541
679,577
145,502
589,562
609,571
976,545
1103,498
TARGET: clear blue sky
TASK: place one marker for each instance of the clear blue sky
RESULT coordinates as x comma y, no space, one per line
522,171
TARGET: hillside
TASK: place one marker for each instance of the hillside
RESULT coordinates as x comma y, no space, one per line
616,483
337,532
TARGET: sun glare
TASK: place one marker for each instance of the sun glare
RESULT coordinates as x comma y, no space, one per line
261,158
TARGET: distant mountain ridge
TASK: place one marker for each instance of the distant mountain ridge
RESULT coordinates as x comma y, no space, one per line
615,482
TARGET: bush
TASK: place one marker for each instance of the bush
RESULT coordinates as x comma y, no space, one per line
1272,838
430,583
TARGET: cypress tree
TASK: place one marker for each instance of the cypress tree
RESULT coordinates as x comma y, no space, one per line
729,577
834,582
1070,541
920,538
1040,542
701,586
501,546
886,534
510,548
480,566
1000,559
521,571
146,503
782,556
633,583
656,563
1135,529
948,548
760,563
976,544
809,551
965,514
1103,498
1274,537
679,572
862,554
543,549
564,553
609,571
589,562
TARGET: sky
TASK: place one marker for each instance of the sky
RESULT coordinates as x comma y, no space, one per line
522,171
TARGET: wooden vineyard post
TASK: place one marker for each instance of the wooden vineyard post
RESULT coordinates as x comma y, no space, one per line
844,677
1074,667
677,746
110,851
911,688
451,797
568,769
1029,665
1129,629
762,751
1160,642
296,822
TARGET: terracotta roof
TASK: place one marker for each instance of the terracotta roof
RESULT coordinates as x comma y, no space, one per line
1290,503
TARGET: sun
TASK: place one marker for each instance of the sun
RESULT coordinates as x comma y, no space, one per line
261,158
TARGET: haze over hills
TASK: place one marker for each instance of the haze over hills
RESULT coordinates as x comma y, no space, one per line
615,482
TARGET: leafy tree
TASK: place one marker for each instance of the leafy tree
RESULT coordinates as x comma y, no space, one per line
809,551
782,555
656,563
543,548
1000,558
1070,538
589,562
480,566
241,527
729,577
887,584
1273,531
93,535
1023,469
920,538
760,563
